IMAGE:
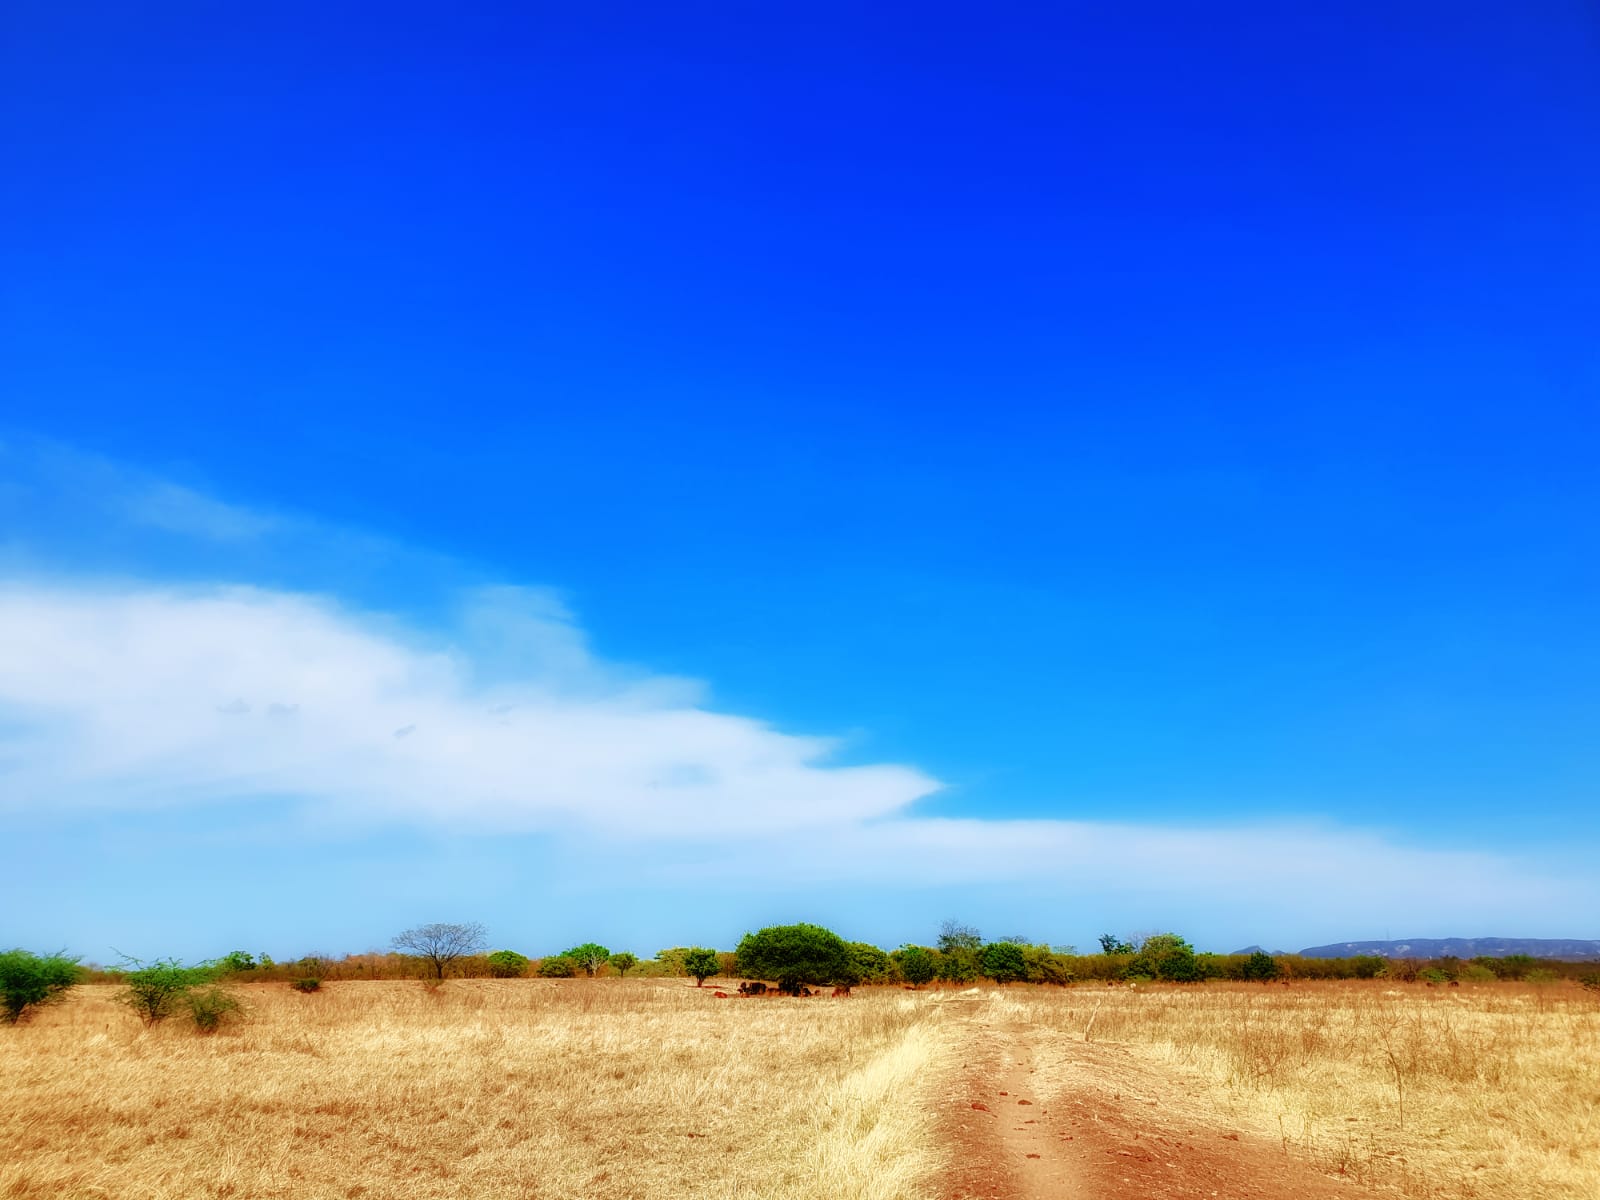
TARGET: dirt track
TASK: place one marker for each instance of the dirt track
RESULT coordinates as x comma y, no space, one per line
1035,1116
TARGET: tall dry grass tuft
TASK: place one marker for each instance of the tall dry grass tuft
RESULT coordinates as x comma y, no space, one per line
1490,1092
515,1088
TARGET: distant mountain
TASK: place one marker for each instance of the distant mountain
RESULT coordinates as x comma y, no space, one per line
1567,949
1259,950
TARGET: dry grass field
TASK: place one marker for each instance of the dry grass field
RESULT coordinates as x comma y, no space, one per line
643,1088
1490,1091
519,1088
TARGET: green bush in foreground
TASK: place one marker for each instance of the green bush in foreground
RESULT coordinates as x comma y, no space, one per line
28,979
210,1007
154,990
306,985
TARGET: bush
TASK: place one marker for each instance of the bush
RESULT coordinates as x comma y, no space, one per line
623,962
236,962
557,966
507,964
1047,966
916,965
869,964
1168,957
1590,981
209,1007
1003,962
796,955
1477,973
28,979
1262,967
154,989
306,985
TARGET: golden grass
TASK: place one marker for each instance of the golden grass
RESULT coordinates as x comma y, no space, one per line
518,1088
1489,1092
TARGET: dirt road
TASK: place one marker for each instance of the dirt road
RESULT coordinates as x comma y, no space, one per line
1035,1115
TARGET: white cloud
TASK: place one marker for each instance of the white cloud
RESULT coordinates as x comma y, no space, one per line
153,696
175,509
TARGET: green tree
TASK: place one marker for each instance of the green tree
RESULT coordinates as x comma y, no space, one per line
624,962
1003,962
28,979
507,964
1168,957
1048,965
441,943
701,963
590,957
916,965
557,966
155,989
1262,967
237,962
672,959
1110,943
960,952
1367,966
796,955
870,964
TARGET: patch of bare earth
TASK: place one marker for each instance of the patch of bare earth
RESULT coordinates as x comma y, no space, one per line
1031,1114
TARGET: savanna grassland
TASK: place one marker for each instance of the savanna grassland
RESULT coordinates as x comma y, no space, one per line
480,1088
630,1088
1488,1091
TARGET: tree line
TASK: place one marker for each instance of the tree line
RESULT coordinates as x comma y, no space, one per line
795,956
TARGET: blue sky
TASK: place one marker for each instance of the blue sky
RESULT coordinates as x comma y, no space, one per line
644,475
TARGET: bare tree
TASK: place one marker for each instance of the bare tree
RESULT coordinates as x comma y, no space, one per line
441,944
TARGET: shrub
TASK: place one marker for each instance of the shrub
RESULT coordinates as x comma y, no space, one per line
869,963
209,1007
701,963
1262,967
1003,962
1432,975
28,979
916,965
154,989
557,966
507,964
1542,975
1590,980
624,962
1477,973
795,955
1168,957
306,985
1047,966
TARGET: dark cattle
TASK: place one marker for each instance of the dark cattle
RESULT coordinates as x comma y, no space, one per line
1455,983
752,989
841,991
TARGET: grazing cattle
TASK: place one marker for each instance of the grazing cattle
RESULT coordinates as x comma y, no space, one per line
1455,983
752,989
841,991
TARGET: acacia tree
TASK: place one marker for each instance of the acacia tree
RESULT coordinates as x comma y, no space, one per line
27,979
441,944
590,957
624,962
